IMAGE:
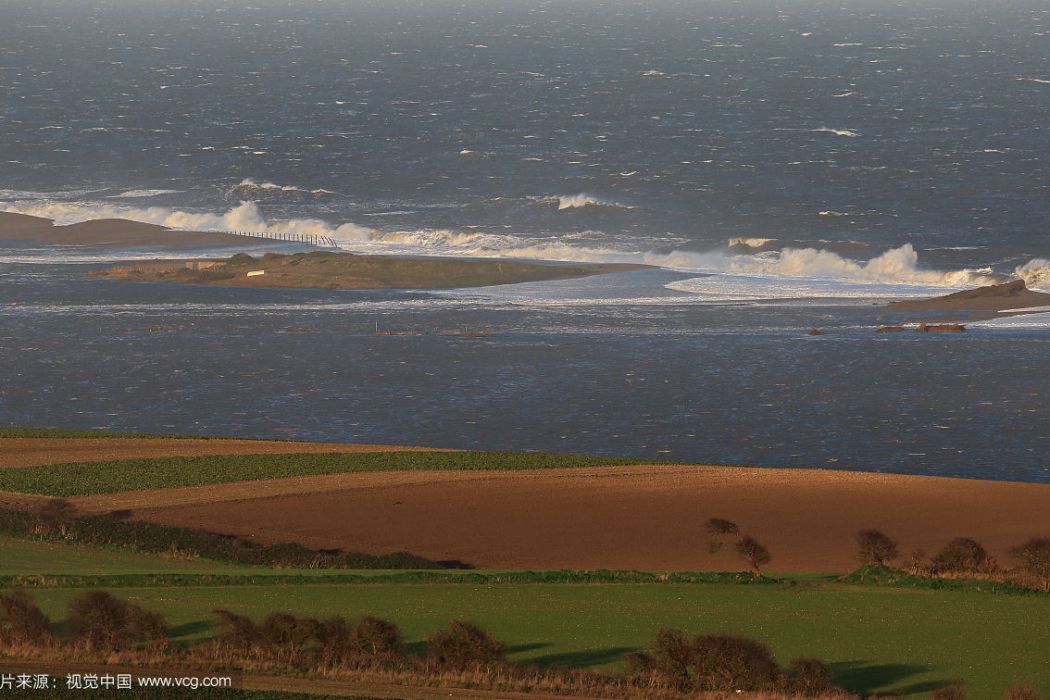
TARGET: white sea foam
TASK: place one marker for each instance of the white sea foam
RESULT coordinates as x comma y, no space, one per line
1036,274
248,184
1034,321
848,133
896,266
578,201
731,287
142,194
792,271
750,242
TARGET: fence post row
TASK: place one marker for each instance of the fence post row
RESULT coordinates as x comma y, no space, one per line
309,238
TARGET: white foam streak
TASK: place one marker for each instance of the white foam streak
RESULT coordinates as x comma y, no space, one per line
142,194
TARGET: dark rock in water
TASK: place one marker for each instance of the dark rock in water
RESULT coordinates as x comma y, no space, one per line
890,329
941,328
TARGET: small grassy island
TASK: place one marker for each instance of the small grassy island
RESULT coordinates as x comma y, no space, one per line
329,270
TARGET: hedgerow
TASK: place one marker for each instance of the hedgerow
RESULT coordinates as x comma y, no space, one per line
143,536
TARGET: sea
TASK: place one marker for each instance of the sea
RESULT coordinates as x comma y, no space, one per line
781,164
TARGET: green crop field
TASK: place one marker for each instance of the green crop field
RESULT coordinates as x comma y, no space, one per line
89,478
878,640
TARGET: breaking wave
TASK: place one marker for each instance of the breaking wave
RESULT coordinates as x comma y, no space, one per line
848,133
249,186
579,201
896,266
244,217
750,242
899,266
1036,274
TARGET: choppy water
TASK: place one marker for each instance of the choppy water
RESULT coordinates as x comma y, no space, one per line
552,129
656,374
812,157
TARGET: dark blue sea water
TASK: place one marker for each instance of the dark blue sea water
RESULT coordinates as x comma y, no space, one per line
787,164
499,125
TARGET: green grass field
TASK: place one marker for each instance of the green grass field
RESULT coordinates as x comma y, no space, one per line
89,478
879,640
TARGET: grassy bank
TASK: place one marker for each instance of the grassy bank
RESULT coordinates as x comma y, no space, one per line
90,478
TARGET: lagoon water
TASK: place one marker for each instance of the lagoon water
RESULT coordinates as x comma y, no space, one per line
787,165
655,374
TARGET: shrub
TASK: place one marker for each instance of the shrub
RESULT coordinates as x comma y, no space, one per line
753,552
1022,691
55,518
721,662
237,631
464,644
285,635
672,655
22,622
810,677
1034,556
962,554
952,691
105,623
371,636
875,547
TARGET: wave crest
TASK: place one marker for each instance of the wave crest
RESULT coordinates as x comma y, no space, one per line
899,266
896,266
1035,273
250,187
580,201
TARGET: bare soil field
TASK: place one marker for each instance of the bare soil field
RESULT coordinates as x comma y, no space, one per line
37,452
639,517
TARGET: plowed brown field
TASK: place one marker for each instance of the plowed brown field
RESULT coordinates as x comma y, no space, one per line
610,517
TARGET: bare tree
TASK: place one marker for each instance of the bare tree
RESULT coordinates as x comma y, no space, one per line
752,551
875,548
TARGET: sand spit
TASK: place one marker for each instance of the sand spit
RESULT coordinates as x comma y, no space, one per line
995,297
115,234
329,270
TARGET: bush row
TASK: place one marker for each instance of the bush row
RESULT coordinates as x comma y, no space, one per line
959,556
101,626
58,519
